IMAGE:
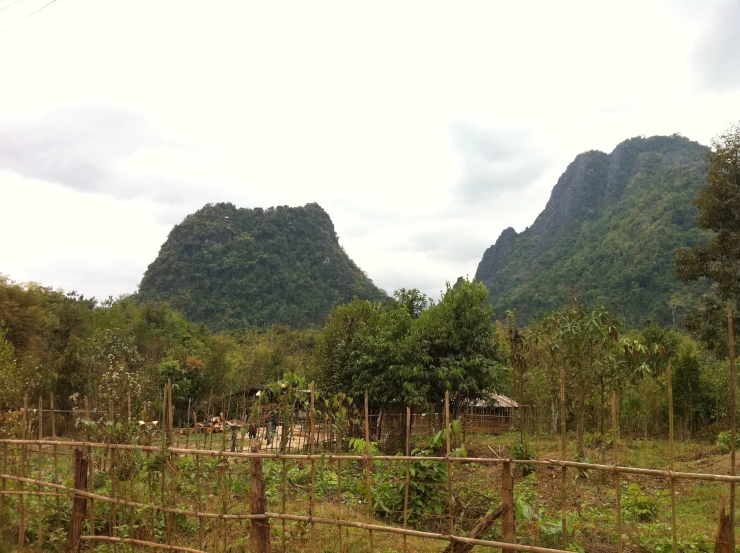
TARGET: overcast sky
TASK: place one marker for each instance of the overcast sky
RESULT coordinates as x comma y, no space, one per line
423,128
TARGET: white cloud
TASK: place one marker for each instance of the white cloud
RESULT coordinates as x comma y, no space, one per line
423,128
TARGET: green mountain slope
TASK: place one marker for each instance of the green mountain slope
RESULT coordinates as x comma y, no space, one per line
233,268
607,235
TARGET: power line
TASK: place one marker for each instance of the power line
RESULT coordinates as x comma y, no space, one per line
35,12
6,7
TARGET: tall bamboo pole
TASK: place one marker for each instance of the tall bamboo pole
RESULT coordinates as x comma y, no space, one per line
162,443
4,487
187,429
408,478
40,540
91,469
282,503
340,432
199,503
563,453
22,510
617,481
367,470
223,422
450,503
669,377
114,494
733,418
313,470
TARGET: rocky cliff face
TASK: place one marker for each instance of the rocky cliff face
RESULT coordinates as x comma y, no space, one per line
594,201
494,259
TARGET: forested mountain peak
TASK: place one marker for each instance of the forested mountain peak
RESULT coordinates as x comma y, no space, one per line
607,234
235,267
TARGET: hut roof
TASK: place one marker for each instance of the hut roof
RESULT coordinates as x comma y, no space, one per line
490,399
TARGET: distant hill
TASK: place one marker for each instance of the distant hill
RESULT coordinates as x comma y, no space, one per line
608,235
232,268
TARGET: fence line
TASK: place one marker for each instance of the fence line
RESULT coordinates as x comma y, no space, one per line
623,469
28,445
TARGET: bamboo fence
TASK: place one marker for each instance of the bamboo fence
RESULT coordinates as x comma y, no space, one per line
118,509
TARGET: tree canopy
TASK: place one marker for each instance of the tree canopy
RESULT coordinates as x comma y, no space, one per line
410,351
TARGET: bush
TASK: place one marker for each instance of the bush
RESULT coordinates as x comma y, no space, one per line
521,451
723,441
427,484
638,505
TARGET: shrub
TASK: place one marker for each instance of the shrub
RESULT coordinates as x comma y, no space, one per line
638,505
521,451
723,441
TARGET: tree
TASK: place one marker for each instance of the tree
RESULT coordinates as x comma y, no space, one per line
460,345
719,260
413,300
719,204
585,340
409,351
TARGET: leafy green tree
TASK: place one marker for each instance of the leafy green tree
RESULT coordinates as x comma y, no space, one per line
719,204
719,260
413,300
451,345
585,340
460,345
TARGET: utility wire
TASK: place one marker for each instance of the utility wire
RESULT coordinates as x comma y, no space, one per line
34,12
6,7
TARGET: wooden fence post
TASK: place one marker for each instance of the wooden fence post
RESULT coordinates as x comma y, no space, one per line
4,488
22,507
617,479
259,528
368,474
563,453
91,467
312,498
670,450
508,524
39,503
448,443
79,503
56,461
733,418
408,478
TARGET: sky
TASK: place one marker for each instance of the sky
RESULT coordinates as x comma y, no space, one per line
423,128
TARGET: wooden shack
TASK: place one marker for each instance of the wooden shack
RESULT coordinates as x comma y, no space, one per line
490,414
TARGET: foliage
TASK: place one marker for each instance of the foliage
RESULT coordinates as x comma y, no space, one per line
74,347
521,451
235,268
531,513
403,356
11,388
607,236
427,491
719,204
724,441
639,506
716,261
